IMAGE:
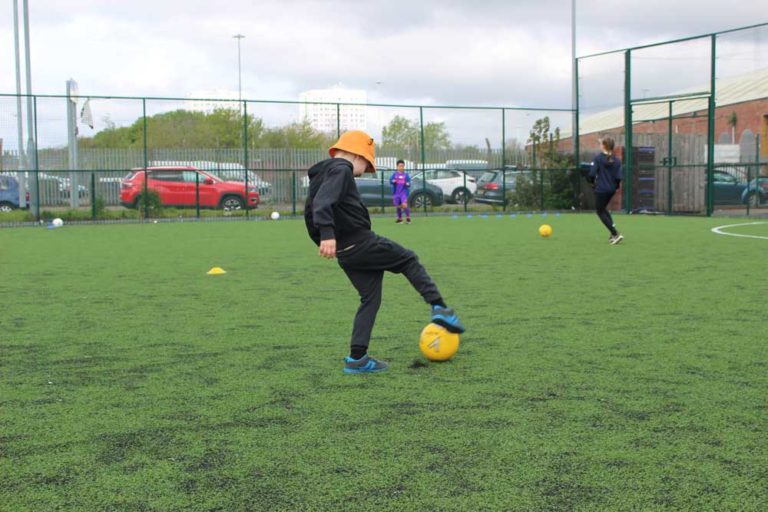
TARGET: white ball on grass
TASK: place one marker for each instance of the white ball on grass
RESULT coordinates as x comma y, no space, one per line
274,216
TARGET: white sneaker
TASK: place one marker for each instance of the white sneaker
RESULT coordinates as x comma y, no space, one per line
616,239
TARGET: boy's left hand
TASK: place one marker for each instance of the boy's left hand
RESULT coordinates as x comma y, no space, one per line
328,249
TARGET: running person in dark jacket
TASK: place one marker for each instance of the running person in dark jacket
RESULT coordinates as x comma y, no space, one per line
338,221
605,174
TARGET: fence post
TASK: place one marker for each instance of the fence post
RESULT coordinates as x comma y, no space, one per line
294,192
245,159
464,174
711,128
197,194
627,131
93,196
382,193
146,158
576,141
503,163
423,158
757,175
669,162
749,183
36,163
535,171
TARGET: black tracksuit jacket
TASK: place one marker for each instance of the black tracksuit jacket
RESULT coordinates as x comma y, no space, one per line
334,208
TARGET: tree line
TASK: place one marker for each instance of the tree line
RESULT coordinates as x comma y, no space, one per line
226,129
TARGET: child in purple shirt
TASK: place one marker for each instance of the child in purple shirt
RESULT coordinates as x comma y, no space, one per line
401,183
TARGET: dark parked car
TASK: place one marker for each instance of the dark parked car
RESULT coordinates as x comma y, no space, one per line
9,193
756,193
492,185
727,188
731,189
371,188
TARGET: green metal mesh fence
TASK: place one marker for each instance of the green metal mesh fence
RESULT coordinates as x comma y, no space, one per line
689,116
225,158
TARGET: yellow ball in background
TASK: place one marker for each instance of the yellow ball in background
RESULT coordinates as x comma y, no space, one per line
437,343
545,230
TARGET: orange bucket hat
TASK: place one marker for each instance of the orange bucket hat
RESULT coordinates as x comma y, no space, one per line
357,143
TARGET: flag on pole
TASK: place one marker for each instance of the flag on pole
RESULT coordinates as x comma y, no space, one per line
86,116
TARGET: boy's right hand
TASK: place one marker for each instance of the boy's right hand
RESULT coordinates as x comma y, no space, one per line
328,248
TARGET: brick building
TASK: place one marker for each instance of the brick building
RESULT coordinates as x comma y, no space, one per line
741,116
672,176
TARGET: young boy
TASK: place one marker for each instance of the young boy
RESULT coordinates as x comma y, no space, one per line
401,184
338,222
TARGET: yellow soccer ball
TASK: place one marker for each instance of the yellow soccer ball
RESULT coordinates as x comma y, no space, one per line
545,230
437,343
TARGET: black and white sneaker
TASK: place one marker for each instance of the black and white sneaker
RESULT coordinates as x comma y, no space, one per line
616,239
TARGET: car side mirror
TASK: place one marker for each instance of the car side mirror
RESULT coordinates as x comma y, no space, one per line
208,181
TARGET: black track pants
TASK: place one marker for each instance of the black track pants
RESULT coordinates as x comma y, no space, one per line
365,264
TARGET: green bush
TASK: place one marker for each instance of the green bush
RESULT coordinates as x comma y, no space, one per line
149,204
527,194
99,207
559,187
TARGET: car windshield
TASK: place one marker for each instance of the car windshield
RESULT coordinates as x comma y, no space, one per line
724,177
205,176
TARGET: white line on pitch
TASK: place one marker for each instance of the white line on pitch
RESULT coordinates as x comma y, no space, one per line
719,230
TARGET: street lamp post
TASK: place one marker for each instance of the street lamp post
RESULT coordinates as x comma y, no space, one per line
574,84
239,68
19,120
31,159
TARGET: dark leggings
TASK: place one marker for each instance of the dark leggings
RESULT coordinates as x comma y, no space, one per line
601,205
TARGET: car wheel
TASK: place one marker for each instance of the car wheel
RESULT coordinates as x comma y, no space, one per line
6,207
753,199
231,203
420,200
460,195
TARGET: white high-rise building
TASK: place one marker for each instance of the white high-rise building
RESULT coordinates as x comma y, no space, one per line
212,99
323,117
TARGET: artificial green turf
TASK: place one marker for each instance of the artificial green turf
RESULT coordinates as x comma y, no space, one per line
591,377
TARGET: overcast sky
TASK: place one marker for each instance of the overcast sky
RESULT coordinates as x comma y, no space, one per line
481,52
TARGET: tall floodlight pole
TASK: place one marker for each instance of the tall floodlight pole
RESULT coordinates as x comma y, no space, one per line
31,143
574,81
239,68
19,121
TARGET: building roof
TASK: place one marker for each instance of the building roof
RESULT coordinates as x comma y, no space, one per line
729,91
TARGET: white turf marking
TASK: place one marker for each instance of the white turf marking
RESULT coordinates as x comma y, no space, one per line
719,230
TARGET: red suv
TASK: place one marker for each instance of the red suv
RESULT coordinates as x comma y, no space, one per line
177,187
